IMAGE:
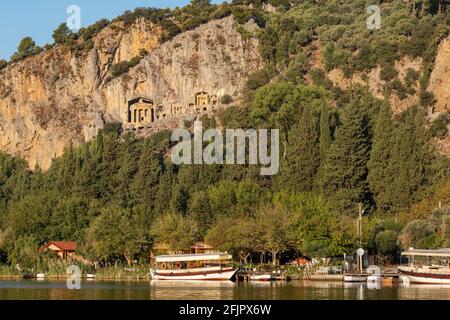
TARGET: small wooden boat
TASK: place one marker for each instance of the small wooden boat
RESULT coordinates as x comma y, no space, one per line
261,277
373,278
356,277
210,266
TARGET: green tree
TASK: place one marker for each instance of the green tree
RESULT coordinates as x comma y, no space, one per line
25,254
27,47
303,153
200,209
62,35
274,231
176,231
150,169
412,162
381,175
234,234
116,233
386,242
345,170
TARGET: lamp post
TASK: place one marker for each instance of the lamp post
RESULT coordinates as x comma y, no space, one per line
359,225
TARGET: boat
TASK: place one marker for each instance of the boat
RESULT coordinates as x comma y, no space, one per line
40,276
374,278
356,277
261,277
90,276
427,266
205,266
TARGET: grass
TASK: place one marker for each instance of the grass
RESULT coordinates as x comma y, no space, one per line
55,269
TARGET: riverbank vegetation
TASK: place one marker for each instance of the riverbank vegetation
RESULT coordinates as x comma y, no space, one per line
118,194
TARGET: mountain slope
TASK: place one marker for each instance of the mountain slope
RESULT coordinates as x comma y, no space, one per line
59,98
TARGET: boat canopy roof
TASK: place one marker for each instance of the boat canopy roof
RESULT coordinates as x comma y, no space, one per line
445,252
193,257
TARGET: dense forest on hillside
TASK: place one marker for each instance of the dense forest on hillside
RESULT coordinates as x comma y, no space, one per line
118,194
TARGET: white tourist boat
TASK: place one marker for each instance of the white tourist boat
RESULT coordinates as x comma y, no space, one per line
427,266
210,266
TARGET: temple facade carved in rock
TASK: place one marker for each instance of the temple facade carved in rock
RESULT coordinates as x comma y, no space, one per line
143,112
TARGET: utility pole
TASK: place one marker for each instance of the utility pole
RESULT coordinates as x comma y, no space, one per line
360,213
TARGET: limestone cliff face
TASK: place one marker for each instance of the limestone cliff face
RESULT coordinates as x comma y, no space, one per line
440,77
372,80
440,86
60,98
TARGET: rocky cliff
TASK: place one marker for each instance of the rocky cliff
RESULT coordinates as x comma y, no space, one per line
440,77
61,98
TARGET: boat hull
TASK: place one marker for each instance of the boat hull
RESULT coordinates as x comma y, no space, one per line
355,278
430,278
261,277
195,275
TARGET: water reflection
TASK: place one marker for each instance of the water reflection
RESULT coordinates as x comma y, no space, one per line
215,290
225,290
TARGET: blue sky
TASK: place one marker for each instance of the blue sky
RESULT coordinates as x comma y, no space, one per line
38,18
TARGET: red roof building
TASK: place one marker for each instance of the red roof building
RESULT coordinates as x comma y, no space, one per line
64,249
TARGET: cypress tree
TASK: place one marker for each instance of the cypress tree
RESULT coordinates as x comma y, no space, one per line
381,173
345,171
325,140
303,153
145,184
412,162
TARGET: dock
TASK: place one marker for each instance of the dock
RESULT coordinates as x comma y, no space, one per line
245,275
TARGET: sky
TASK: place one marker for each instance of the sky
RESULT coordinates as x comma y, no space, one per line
38,19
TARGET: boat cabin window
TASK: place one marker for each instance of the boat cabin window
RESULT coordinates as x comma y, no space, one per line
193,264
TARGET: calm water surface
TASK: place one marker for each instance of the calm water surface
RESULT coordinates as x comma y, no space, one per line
160,290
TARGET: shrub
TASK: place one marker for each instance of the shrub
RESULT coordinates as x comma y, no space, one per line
244,33
143,52
386,241
88,33
439,128
124,66
3,64
426,98
47,47
411,76
226,99
398,86
414,232
319,78
388,72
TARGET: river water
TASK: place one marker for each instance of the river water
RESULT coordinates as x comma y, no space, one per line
161,290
